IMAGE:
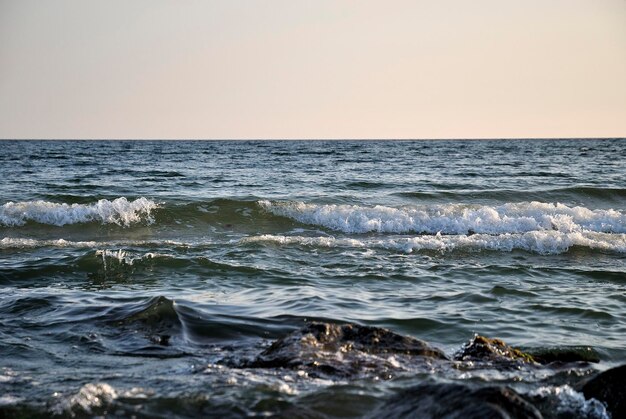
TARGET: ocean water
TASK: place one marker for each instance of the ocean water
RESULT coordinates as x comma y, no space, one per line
140,277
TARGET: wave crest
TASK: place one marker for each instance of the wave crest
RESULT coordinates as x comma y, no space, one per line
120,211
513,218
541,242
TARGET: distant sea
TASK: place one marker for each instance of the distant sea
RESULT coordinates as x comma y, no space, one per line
146,277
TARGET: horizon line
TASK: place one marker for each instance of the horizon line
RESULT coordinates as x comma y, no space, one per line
319,139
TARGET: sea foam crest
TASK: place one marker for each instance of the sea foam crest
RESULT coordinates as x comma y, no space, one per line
120,211
452,218
23,243
542,242
18,243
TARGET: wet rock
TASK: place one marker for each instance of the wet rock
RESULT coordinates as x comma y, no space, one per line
22,412
341,349
481,348
162,340
564,354
446,400
610,388
563,402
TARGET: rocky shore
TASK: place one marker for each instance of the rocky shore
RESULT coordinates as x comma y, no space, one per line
353,351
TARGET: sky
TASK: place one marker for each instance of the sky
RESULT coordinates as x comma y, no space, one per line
254,69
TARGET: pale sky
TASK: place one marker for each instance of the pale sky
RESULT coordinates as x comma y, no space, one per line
312,68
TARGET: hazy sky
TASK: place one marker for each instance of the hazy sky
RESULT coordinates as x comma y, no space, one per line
312,68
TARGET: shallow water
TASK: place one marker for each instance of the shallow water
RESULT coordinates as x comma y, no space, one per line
130,271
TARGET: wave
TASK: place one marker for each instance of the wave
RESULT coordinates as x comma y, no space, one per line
22,243
513,218
123,257
567,194
541,242
273,216
120,211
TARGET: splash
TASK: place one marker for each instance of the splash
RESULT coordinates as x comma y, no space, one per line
571,403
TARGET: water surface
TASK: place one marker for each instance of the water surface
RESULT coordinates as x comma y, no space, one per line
234,244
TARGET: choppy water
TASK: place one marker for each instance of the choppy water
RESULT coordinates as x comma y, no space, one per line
130,271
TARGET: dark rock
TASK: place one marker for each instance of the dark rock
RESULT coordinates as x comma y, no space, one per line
163,340
340,349
610,388
481,348
564,354
562,402
453,401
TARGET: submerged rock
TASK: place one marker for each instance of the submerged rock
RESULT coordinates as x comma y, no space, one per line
341,349
445,400
564,354
481,348
610,388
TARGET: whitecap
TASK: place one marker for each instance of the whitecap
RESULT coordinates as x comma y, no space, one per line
452,218
541,242
120,211
20,243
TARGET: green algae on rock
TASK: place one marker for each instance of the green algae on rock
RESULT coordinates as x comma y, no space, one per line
487,349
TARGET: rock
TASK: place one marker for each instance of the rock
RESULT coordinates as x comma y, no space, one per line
610,388
564,354
451,401
341,349
481,348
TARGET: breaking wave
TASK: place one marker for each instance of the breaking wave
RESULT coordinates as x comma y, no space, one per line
541,242
28,243
120,211
510,218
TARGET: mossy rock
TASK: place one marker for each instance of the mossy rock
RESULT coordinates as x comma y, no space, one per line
488,349
565,354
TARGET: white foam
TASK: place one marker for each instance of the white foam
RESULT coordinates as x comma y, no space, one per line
542,242
8,400
324,241
573,403
90,396
452,218
120,211
19,243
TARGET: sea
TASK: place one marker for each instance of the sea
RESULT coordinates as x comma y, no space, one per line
144,278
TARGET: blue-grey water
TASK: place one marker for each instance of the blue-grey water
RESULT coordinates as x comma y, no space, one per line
131,270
